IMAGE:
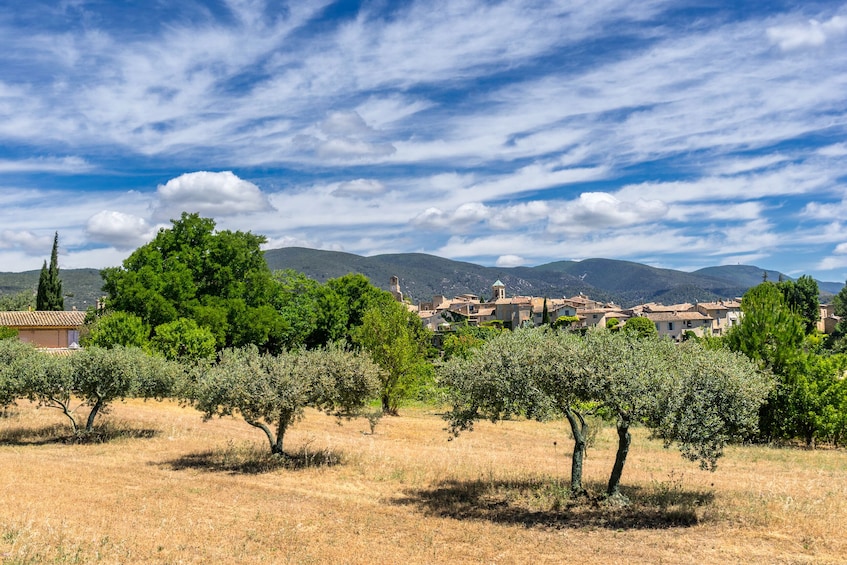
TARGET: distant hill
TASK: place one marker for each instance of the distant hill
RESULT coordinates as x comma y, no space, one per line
422,276
624,282
82,287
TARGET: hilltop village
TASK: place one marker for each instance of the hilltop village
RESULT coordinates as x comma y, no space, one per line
672,321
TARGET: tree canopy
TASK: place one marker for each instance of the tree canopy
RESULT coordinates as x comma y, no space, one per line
271,391
218,279
544,375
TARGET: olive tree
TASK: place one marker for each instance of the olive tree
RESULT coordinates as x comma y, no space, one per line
271,391
527,372
93,377
12,355
697,398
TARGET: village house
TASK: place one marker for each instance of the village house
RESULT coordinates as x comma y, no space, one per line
828,320
724,314
673,325
46,329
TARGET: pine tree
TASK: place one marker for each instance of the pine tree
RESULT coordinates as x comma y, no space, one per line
49,296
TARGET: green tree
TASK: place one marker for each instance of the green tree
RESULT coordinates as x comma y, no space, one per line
101,376
94,377
116,328
545,314
544,375
218,279
271,391
12,355
8,333
49,294
397,342
801,296
184,340
640,327
461,342
20,301
359,295
839,302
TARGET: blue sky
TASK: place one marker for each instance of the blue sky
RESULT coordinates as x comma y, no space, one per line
677,134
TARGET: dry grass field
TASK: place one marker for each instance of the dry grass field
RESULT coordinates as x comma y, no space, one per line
165,487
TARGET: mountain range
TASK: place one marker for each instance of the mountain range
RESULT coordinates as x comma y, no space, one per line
423,276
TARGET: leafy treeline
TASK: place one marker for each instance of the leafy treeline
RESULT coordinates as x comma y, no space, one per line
778,332
193,291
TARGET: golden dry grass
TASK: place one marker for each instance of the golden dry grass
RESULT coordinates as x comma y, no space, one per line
165,487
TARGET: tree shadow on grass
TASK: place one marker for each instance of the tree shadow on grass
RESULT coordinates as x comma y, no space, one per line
58,433
250,459
546,503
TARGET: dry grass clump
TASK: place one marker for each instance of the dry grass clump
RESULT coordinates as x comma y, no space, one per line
161,486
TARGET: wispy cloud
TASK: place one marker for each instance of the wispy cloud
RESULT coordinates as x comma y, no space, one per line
508,132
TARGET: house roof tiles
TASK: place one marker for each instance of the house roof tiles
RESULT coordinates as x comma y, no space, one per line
42,319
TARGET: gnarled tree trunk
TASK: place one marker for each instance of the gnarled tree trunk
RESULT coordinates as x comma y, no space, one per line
624,440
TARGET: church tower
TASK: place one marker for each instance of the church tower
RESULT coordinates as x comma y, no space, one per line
498,290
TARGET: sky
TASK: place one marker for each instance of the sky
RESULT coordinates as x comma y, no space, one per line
679,134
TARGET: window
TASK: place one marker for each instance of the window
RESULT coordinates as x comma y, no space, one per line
670,326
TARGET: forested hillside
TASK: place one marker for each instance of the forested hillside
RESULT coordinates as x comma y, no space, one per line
422,276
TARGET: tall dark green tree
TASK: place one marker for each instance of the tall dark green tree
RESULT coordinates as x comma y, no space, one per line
49,295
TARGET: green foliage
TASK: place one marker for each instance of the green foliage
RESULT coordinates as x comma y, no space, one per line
612,323
49,294
565,321
801,297
93,377
117,328
183,339
218,279
359,295
8,333
271,391
839,302
466,338
314,314
640,327
20,301
396,340
769,332
12,355
689,395
808,401
101,376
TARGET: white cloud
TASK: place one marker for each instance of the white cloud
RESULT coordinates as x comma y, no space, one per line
461,219
209,193
27,241
120,230
809,34
600,210
67,165
359,188
834,150
510,261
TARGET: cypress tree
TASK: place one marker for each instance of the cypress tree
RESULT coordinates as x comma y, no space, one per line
545,314
49,296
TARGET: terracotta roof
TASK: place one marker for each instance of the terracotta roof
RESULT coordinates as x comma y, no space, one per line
43,319
674,316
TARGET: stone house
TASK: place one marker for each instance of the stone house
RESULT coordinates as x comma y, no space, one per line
46,329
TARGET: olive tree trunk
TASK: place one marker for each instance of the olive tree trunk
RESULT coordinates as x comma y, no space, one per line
624,440
578,429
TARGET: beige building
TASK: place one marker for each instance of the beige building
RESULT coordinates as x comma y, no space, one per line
724,314
674,324
48,330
